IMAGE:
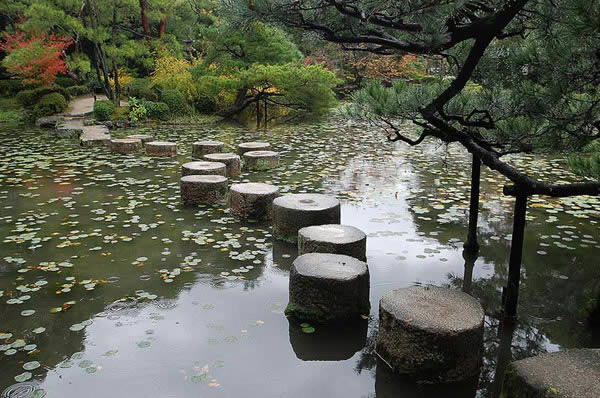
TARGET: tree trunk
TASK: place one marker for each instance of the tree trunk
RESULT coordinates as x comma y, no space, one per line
163,23
257,112
511,291
471,244
145,23
265,106
117,94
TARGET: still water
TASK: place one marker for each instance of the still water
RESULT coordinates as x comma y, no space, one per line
108,287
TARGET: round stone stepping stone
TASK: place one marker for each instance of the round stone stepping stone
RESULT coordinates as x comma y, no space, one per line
231,160
203,189
252,146
252,200
261,160
572,373
125,145
201,148
161,148
333,238
142,137
328,287
295,211
203,168
432,334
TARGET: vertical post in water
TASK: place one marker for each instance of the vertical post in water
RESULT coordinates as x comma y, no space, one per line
471,244
511,291
257,112
265,106
470,258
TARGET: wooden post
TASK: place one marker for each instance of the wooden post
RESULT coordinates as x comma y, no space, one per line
470,258
506,329
511,291
471,244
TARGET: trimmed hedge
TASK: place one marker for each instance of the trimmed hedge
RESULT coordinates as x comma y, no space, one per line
175,100
103,110
50,104
64,81
157,110
28,98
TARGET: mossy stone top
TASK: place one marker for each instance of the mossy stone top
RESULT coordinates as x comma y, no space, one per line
255,188
329,266
307,202
204,179
334,233
435,309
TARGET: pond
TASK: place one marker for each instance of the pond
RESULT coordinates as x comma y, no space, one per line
109,287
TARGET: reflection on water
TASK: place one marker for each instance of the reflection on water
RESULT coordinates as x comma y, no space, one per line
111,285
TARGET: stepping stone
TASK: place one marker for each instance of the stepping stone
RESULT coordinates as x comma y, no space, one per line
201,148
142,137
261,160
203,189
292,212
567,374
161,148
252,146
431,334
203,168
328,287
125,145
333,238
252,200
48,122
95,135
231,160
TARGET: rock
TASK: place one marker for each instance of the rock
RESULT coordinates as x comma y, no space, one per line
328,287
252,200
261,160
125,145
203,168
252,146
68,132
567,374
48,122
96,135
231,160
203,189
161,148
292,212
201,148
333,238
329,343
431,334
142,137
121,124
108,124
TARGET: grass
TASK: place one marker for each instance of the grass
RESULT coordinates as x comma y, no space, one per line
10,111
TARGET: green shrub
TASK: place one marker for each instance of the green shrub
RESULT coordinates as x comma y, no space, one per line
157,110
141,89
50,104
64,81
175,100
74,91
120,113
137,109
103,110
10,87
29,98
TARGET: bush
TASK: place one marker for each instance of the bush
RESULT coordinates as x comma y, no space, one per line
10,87
157,110
29,98
103,110
140,88
50,104
120,113
175,100
64,81
74,91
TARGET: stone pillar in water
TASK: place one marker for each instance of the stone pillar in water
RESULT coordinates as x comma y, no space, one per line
333,238
252,200
328,287
125,145
292,212
203,189
431,334
231,160
203,168
161,148
201,148
252,146
261,160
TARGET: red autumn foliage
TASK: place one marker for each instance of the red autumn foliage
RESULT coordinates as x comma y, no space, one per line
35,58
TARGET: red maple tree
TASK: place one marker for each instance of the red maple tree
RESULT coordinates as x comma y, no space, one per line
35,58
